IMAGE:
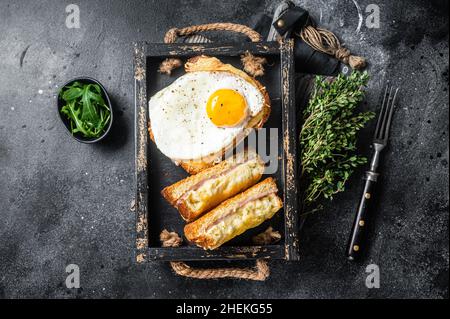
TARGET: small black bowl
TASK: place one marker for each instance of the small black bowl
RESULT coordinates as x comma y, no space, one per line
65,120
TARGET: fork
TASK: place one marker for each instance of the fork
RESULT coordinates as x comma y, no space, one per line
380,141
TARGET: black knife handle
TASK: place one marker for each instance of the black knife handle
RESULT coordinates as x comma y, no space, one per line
357,237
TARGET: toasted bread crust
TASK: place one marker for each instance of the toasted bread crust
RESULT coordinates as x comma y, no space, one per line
197,231
178,194
192,167
195,167
205,63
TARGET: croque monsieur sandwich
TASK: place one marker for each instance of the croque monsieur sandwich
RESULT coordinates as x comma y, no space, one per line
234,216
206,112
198,193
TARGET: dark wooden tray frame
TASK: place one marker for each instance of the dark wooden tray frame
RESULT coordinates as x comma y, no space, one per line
287,251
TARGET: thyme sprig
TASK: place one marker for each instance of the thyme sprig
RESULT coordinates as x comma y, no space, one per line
329,134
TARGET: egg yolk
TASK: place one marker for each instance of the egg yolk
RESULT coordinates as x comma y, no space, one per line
226,108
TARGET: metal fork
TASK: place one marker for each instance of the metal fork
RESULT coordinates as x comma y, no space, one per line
380,141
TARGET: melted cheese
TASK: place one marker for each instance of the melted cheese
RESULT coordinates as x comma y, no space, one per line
214,191
248,216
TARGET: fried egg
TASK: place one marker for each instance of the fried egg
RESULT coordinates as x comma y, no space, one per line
203,112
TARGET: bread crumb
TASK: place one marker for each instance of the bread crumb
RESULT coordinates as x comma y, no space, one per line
168,65
269,236
253,65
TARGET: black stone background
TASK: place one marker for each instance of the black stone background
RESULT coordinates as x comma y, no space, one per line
63,202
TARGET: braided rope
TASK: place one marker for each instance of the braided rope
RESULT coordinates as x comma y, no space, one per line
326,41
172,34
260,273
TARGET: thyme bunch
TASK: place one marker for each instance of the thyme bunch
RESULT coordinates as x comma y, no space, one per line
329,134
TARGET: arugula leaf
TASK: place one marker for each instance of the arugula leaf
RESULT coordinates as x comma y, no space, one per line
85,108
89,113
72,93
74,114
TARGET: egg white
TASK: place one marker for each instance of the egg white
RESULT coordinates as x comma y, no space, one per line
179,122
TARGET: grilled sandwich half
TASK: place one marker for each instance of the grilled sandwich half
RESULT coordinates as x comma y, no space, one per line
236,215
199,193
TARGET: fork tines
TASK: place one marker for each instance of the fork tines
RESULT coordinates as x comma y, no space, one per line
385,117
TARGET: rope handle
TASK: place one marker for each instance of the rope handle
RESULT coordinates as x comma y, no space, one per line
252,65
259,273
172,35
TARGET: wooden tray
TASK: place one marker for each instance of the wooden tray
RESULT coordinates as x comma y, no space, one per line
154,171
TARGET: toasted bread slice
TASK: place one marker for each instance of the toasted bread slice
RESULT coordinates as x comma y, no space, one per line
199,193
234,216
205,63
